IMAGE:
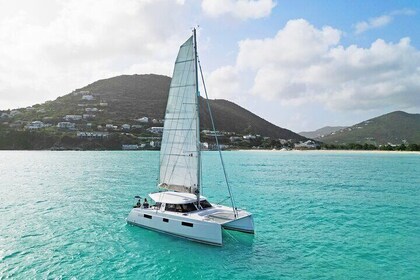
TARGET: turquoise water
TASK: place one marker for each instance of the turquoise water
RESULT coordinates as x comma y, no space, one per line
327,215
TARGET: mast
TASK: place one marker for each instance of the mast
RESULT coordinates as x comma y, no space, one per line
198,120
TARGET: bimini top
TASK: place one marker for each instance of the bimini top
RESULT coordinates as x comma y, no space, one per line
175,197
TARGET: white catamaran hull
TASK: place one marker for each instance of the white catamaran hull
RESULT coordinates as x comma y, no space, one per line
195,230
203,226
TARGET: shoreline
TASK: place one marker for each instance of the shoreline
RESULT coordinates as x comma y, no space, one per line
239,150
333,151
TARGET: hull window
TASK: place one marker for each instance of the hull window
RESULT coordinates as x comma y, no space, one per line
165,220
187,224
147,216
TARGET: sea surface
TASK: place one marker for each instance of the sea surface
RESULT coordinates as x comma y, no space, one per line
318,215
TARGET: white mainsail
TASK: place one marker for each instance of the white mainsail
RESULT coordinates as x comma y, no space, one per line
179,154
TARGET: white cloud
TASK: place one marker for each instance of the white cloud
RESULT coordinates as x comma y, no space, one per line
381,21
303,64
372,23
83,41
241,9
223,82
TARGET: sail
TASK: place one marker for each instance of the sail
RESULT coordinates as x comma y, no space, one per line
179,154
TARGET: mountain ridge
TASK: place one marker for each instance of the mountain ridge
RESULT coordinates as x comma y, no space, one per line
320,131
393,128
129,97
244,120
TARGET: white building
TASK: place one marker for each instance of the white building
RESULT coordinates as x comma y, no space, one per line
88,116
204,146
111,126
126,126
91,110
156,129
306,145
66,125
249,137
92,135
88,97
35,125
143,120
130,147
154,144
212,133
73,117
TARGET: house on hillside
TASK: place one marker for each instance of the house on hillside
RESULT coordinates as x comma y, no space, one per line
126,126
212,133
88,97
143,120
307,145
66,125
249,137
88,116
73,117
155,144
130,147
156,129
35,125
92,135
111,126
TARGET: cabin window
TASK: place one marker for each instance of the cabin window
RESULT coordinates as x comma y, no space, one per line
170,207
181,208
205,204
187,224
147,216
158,204
166,220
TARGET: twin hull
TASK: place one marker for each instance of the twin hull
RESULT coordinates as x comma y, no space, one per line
197,227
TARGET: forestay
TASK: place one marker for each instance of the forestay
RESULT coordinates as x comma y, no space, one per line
179,155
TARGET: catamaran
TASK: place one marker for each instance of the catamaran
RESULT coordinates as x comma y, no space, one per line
179,208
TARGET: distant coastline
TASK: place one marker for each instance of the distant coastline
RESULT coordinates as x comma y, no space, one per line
332,151
239,150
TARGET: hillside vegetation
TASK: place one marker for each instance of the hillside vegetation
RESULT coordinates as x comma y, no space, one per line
394,128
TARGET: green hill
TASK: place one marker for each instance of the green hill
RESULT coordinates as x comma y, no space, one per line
395,128
117,101
321,131
133,96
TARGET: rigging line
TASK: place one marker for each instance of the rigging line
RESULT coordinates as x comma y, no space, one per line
217,142
223,200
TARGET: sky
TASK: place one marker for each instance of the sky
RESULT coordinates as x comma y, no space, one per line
300,64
